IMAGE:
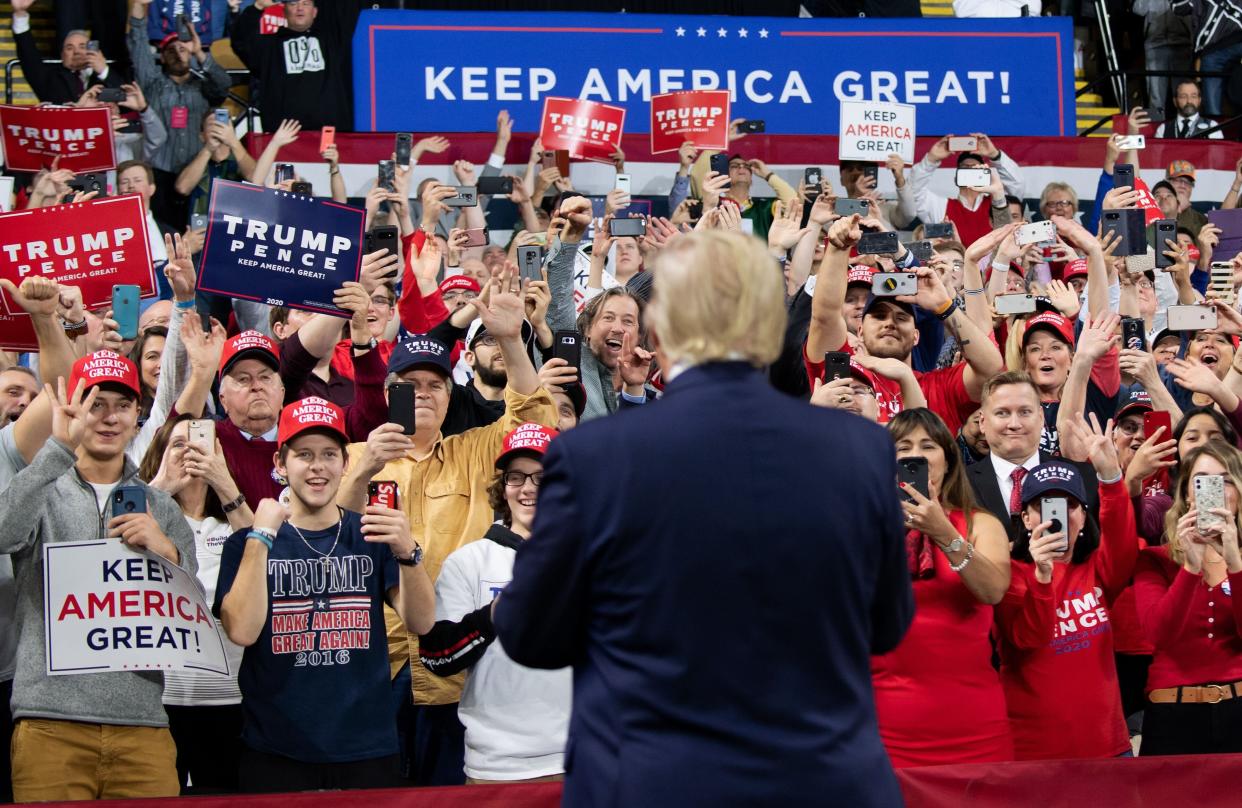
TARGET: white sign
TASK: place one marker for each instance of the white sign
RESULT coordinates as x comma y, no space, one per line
108,607
872,130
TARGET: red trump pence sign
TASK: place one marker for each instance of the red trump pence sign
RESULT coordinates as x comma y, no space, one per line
587,130
91,245
35,136
699,116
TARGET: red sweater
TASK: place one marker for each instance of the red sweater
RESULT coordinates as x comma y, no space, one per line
1056,646
972,225
250,461
1196,630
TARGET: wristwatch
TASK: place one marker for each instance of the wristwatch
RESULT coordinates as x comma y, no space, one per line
953,546
366,346
413,559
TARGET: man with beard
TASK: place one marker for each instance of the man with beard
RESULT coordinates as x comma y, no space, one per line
970,439
18,387
1188,122
888,331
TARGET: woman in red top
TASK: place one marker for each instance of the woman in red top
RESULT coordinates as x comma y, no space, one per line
937,696
1186,605
1054,625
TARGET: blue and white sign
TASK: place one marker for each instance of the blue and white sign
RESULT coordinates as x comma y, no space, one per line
451,71
280,248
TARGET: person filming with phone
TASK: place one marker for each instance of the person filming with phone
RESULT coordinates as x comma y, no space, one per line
981,203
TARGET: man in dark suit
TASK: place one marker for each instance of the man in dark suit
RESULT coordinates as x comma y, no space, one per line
1012,422
719,605
79,68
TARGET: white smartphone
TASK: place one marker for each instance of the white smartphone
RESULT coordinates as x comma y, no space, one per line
202,433
1036,232
973,177
1191,318
1056,511
963,144
1209,494
623,183
1014,304
1129,142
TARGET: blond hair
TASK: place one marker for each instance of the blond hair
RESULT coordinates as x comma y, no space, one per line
1229,457
718,295
1058,186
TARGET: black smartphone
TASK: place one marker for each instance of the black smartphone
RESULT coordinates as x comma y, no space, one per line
567,345
387,175
467,197
873,172
1128,224
848,207
695,210
183,28
384,237
878,244
1123,174
1132,335
284,172
403,147
530,262
913,472
111,95
383,493
720,164
921,250
938,230
198,221
303,188
1166,229
836,366
89,182
129,499
752,127
495,186
401,406
812,177
628,227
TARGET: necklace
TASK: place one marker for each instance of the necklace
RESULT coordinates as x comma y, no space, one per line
325,558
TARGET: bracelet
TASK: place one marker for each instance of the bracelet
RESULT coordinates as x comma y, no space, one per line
978,291
1116,479
184,305
947,311
961,565
73,326
263,536
233,505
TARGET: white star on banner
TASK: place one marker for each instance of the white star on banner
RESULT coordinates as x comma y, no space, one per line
763,33
742,32
702,32
680,31
720,32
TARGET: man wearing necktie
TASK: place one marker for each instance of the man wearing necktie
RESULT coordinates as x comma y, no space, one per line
80,66
1188,123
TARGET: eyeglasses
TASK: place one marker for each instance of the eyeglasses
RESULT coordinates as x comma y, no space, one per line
488,340
1063,203
861,390
1130,427
380,300
453,295
516,479
1145,285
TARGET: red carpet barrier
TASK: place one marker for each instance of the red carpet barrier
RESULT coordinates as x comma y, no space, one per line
1202,781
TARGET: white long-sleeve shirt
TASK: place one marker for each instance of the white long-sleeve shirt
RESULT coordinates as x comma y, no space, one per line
931,206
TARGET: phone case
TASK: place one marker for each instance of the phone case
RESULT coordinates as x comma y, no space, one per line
530,262
383,493
938,230
1209,494
1132,335
1191,318
891,284
878,244
1166,229
848,207
401,406
1035,232
567,345
128,499
1014,304
327,138
203,433
404,145
836,365
972,177
1154,420
1056,510
913,472
125,310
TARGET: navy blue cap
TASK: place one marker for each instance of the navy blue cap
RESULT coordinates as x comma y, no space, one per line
873,299
1137,400
420,351
1053,477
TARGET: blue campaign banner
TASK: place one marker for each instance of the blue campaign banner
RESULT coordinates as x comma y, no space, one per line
429,71
280,248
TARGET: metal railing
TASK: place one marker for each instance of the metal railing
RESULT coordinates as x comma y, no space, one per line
1111,77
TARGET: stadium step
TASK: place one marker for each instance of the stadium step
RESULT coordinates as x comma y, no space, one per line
937,8
1090,108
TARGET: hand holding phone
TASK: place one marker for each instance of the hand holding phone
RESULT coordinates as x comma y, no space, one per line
125,309
401,406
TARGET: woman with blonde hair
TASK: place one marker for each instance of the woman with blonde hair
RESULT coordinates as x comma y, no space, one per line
1186,606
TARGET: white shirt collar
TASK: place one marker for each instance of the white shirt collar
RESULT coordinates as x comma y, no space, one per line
1005,469
269,435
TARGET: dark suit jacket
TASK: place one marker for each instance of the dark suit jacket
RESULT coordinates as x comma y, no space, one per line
53,84
718,567
982,477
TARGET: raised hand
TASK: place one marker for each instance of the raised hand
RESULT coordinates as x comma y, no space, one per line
69,411
203,350
845,233
556,375
435,145
503,313
180,268
37,296
1099,336
634,364
286,133
1098,443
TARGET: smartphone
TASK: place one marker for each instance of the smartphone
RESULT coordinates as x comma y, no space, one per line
183,28
1014,304
89,182
384,237
1220,279
1132,334
125,309
562,162
1155,419
111,95
973,177
403,147
1129,142
636,227
198,221
938,230
284,172
963,144
548,159
387,175
304,188
530,262
1035,232
848,207
879,244
382,493
1166,229
720,164
622,183
913,472
812,177
327,138
133,499
1129,226
921,250
1209,494
93,45
1123,175
891,284
873,172
695,211
495,186
221,116
467,197
1191,318
567,345
836,366
202,432
401,406
752,127
477,237
1056,511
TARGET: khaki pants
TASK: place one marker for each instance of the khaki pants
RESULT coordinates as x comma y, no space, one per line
70,760
551,778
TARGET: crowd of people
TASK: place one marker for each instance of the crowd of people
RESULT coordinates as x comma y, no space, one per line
353,495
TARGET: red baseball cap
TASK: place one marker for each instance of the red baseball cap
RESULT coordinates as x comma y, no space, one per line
249,345
1050,321
527,439
860,274
166,41
1076,268
308,414
105,367
460,282
862,374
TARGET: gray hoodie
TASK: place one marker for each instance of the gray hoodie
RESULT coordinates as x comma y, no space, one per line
48,501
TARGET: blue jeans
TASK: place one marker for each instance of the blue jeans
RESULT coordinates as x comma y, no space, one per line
1215,62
